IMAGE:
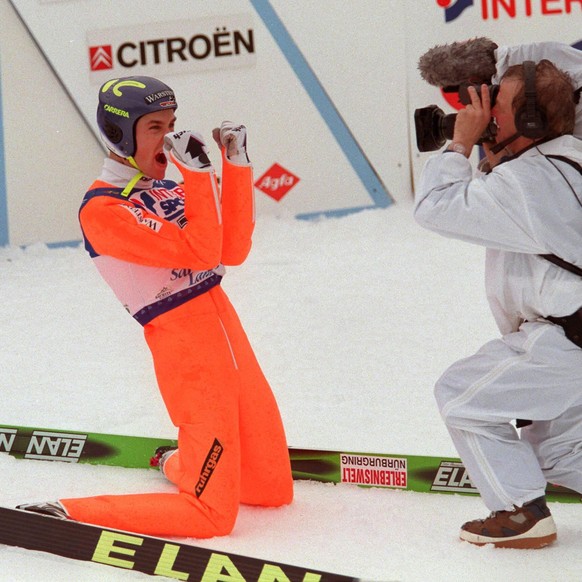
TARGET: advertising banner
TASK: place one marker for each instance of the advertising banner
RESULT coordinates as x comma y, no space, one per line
328,90
317,111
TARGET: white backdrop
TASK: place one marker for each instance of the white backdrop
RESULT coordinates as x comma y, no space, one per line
327,90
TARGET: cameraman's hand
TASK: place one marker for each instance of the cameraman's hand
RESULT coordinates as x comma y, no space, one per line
186,149
472,121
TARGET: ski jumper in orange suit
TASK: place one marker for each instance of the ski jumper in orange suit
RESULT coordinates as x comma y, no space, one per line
162,249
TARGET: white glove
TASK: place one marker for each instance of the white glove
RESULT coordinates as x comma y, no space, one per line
233,137
187,148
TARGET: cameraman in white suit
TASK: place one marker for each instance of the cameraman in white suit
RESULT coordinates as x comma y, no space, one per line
528,204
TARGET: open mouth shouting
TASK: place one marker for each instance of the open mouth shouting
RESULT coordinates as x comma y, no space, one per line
161,159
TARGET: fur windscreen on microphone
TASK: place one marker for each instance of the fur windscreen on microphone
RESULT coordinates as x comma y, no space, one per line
468,61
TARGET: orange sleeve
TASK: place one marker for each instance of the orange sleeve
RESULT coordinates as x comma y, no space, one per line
123,230
238,211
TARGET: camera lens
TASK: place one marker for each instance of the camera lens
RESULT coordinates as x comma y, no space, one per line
433,128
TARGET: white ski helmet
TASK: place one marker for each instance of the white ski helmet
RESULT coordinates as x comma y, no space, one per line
122,102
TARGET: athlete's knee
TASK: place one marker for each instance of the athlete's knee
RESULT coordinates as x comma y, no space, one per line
203,521
284,495
223,523
217,527
268,496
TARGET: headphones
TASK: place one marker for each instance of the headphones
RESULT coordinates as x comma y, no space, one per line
530,120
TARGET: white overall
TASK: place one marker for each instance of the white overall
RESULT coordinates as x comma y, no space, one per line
527,206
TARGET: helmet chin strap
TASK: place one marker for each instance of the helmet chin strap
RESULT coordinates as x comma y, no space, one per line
127,190
502,145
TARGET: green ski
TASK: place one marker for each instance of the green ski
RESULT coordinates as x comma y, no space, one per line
427,474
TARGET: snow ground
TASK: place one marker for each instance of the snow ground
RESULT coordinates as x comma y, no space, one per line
353,320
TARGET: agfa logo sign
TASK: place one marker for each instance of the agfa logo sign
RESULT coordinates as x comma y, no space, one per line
276,182
495,9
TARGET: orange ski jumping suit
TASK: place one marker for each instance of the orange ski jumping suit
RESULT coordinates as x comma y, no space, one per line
162,249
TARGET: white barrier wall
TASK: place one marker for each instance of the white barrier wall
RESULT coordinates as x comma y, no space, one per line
302,78
327,89
50,154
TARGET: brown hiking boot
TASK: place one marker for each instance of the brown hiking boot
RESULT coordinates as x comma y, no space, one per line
529,527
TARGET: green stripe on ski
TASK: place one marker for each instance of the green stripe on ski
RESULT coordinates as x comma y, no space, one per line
423,474
426,474
49,444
